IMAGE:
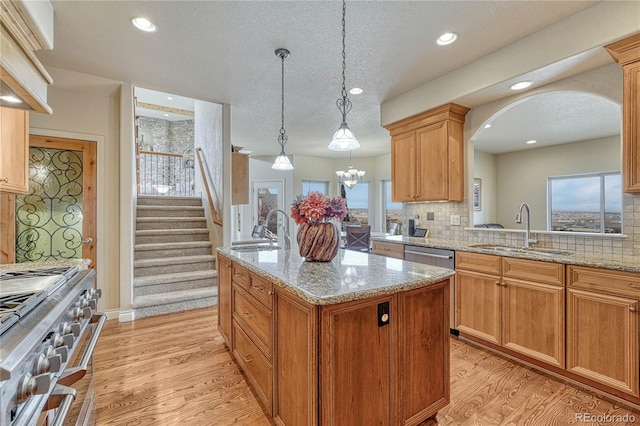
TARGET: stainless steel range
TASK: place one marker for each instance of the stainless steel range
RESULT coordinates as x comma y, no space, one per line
48,330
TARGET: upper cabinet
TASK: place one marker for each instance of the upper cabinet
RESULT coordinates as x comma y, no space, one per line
14,146
427,155
627,53
240,178
27,26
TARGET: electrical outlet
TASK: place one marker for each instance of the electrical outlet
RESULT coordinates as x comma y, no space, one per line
431,216
455,219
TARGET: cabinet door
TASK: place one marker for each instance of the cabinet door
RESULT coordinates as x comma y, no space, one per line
424,352
14,146
224,298
432,166
478,305
403,172
602,339
533,320
356,363
239,179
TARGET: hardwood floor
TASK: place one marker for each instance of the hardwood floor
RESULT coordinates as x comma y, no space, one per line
175,369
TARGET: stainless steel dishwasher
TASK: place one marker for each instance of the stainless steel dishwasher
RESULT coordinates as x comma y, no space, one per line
436,257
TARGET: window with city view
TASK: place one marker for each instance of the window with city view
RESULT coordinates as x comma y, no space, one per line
392,211
314,185
586,203
358,202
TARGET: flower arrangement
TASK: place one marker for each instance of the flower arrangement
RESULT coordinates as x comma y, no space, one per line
316,207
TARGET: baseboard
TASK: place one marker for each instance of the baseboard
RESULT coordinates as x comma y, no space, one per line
125,316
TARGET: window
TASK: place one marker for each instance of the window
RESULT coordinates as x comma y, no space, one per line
314,185
392,211
586,203
358,202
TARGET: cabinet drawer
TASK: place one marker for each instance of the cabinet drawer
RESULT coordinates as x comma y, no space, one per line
533,270
254,317
261,289
388,249
240,274
255,366
484,263
604,280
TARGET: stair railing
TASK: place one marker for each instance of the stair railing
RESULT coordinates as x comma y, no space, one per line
205,180
165,173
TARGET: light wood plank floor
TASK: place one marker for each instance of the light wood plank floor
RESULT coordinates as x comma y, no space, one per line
175,370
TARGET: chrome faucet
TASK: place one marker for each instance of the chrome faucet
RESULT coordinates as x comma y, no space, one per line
287,240
527,238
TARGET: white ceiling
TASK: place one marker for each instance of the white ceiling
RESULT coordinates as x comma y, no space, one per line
223,51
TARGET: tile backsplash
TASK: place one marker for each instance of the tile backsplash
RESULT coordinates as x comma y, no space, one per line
441,228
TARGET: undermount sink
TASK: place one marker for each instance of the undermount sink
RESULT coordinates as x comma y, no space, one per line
531,250
255,247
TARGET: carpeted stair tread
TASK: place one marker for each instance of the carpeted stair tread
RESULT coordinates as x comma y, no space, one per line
173,278
173,261
177,245
159,299
171,219
141,232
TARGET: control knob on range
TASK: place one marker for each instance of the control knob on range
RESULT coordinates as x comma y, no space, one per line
81,313
62,351
47,363
59,340
32,385
66,328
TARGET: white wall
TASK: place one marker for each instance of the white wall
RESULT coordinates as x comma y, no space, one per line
485,169
89,107
522,176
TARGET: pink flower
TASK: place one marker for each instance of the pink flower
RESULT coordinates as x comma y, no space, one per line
316,207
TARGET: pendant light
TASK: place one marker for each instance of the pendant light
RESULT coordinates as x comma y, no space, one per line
343,138
282,161
351,176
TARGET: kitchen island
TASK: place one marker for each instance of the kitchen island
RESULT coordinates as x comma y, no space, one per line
359,340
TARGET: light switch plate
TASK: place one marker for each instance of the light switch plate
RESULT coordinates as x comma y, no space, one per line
455,219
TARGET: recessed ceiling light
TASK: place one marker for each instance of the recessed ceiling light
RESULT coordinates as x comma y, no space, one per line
521,85
447,38
166,115
11,99
144,24
486,126
531,142
356,91
170,98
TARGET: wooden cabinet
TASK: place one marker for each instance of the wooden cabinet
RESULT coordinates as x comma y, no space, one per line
224,266
514,303
602,327
383,248
14,150
427,155
627,53
239,178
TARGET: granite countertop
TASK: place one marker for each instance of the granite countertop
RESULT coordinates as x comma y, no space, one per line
25,266
608,261
350,276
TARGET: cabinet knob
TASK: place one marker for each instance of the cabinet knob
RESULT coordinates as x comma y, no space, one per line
4,179
247,315
498,283
247,358
634,285
271,293
632,309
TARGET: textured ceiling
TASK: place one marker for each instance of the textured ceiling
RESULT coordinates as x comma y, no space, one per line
223,51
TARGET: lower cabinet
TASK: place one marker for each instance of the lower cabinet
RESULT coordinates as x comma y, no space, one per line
518,304
224,298
602,327
384,248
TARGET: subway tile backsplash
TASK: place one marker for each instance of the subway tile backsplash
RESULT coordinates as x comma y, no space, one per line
441,228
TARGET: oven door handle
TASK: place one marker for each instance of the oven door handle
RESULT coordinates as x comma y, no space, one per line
421,253
62,397
72,375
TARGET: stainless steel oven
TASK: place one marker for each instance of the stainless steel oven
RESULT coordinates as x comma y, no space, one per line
48,330
436,257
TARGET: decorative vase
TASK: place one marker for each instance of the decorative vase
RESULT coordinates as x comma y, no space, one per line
318,242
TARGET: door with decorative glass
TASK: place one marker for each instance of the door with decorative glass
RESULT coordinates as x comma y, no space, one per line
56,219
267,195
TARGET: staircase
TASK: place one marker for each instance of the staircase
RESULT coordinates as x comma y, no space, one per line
174,268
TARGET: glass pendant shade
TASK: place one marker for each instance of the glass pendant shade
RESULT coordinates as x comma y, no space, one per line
282,162
343,139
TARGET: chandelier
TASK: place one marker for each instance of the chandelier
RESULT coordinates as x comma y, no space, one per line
343,138
351,176
282,161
